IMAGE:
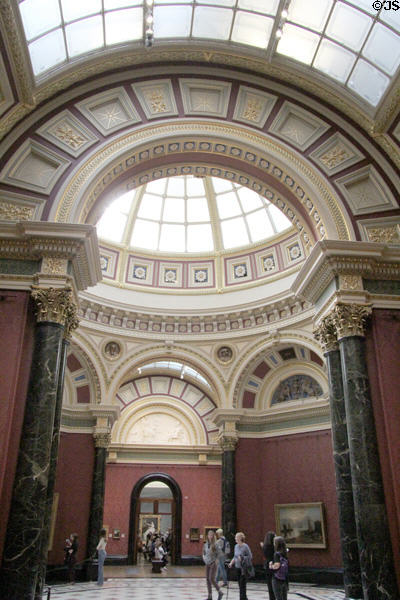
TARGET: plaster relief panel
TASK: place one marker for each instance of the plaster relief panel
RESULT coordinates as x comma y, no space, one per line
253,107
17,207
366,192
109,111
336,154
202,97
34,167
297,126
158,428
156,98
68,133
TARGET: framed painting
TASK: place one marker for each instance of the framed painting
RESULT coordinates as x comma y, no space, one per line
194,535
148,524
301,525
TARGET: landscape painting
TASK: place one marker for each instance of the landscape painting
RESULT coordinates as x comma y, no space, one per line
301,525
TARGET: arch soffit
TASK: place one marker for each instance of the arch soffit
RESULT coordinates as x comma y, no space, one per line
146,407
94,381
93,363
203,364
255,353
201,147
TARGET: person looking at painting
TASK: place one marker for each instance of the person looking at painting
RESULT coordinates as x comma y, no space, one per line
211,554
242,554
280,567
268,552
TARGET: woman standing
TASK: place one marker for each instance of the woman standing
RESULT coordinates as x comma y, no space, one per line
280,567
268,552
211,553
101,553
71,556
241,555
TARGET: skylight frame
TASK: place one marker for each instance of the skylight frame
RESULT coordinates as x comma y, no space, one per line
43,68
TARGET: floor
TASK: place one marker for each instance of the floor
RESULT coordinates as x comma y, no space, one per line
177,583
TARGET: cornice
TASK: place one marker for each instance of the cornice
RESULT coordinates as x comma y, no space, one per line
330,259
29,240
247,321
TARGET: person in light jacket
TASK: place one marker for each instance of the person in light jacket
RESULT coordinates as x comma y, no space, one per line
101,554
241,555
211,554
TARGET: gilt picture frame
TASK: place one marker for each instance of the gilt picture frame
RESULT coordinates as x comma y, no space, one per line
302,525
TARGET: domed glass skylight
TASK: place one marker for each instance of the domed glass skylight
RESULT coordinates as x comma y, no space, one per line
189,214
349,41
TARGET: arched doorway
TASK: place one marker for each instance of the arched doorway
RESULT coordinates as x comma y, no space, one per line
156,502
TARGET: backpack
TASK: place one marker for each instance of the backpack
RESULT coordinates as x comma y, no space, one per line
283,571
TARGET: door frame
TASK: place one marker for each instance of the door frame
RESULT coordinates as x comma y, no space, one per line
176,557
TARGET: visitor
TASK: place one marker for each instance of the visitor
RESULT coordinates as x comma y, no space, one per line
211,553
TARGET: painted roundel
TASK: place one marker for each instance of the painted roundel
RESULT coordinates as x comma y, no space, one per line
296,387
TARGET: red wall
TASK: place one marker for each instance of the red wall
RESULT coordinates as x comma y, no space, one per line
16,335
285,470
383,358
74,485
201,499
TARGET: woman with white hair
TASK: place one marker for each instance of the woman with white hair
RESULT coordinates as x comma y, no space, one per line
242,556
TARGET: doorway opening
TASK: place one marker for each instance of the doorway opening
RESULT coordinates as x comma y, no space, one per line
156,507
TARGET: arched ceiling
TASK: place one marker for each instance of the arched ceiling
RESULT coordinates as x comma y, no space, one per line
80,139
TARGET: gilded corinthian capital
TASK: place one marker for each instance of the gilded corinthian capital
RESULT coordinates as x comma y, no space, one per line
325,333
102,440
228,442
56,306
350,319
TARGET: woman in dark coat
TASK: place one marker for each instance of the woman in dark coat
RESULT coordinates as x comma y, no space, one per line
268,552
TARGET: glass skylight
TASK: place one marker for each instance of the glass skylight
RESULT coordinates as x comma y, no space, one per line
190,215
335,37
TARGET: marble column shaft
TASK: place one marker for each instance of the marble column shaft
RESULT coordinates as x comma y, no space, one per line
344,489
97,499
52,472
375,551
22,550
229,522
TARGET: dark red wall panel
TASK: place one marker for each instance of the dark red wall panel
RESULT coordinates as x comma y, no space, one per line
285,470
16,335
383,358
74,486
201,499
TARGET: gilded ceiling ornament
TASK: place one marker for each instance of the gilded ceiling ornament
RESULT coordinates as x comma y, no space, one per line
56,306
252,109
69,136
325,333
11,212
102,440
383,234
350,319
335,156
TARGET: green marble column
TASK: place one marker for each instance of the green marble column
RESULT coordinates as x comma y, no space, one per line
52,473
326,334
101,441
376,559
228,481
23,544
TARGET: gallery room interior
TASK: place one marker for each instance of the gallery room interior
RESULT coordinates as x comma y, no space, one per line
200,283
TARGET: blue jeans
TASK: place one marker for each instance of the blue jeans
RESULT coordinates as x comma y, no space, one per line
221,571
100,570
